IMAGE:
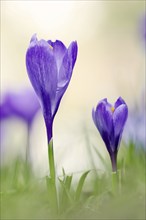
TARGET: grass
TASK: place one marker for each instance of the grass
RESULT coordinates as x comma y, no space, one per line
95,196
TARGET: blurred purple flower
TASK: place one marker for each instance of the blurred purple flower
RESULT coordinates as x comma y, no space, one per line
5,111
49,66
110,121
135,130
22,104
135,127
144,27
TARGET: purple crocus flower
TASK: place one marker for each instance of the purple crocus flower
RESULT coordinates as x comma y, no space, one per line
110,121
49,66
22,104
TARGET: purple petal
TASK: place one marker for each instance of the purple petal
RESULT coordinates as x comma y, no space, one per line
119,118
104,116
119,102
65,73
103,121
42,70
72,52
59,50
33,39
68,62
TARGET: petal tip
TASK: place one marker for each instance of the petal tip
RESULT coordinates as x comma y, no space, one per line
33,38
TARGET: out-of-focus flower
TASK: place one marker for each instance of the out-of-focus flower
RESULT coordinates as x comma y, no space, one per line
110,121
22,104
144,27
49,66
5,111
135,127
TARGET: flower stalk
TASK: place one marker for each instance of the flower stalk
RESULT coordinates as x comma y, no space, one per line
53,188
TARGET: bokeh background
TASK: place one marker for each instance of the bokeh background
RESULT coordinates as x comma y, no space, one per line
110,63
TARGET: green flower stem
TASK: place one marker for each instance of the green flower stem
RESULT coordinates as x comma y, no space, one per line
52,179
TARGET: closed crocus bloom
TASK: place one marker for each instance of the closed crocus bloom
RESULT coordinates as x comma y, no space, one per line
49,66
110,121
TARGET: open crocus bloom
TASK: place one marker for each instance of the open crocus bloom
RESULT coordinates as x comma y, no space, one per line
49,66
110,121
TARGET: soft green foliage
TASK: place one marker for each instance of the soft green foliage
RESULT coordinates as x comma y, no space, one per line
95,195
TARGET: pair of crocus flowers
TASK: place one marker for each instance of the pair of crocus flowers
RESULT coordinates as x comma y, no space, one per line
49,66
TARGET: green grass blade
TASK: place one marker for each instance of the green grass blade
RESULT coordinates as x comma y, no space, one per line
80,186
66,193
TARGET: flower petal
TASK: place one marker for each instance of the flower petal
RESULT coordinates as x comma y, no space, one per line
65,73
104,115
68,62
42,69
72,52
119,118
119,102
103,121
59,50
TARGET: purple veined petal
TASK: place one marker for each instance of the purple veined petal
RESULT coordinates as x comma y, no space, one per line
59,93
103,120
59,50
67,65
119,119
42,70
103,133
119,102
65,73
72,52
104,115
